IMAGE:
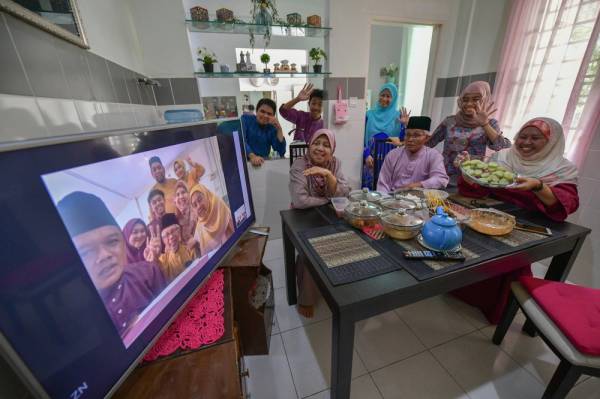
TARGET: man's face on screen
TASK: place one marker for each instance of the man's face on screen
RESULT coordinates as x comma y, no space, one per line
171,237
158,171
102,251
157,204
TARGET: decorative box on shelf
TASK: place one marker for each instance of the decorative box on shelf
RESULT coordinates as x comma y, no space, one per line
199,14
224,15
294,19
314,20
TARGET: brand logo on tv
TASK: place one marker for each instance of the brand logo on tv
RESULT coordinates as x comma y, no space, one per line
78,393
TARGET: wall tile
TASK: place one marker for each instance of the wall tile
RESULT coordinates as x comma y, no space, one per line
163,94
146,93
100,79
12,75
60,116
118,76
133,87
20,118
38,53
440,87
492,80
76,70
89,115
356,87
452,85
185,90
331,87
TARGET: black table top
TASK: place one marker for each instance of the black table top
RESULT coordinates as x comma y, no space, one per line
399,288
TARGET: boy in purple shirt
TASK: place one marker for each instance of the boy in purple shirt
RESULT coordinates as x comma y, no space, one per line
307,123
414,165
125,289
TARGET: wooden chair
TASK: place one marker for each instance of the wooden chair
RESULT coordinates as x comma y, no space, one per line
575,339
297,150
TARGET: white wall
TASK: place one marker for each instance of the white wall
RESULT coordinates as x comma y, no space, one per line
586,270
110,32
162,36
385,48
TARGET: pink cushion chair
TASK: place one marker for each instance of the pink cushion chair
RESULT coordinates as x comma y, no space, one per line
567,317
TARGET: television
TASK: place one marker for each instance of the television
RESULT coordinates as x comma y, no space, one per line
86,282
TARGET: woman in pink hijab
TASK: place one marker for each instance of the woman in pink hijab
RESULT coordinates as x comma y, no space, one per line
314,179
472,129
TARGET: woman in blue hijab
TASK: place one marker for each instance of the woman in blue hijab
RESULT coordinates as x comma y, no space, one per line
383,121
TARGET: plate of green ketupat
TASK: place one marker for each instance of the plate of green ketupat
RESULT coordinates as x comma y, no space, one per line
489,174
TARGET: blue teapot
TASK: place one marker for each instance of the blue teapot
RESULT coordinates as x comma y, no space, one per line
441,232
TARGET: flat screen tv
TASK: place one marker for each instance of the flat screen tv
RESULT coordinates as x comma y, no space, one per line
104,237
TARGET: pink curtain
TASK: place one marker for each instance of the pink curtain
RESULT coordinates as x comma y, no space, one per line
543,64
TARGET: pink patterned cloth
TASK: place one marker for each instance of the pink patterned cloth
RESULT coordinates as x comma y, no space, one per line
200,323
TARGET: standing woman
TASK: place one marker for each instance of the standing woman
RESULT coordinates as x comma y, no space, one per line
383,121
472,129
192,176
214,224
314,179
547,183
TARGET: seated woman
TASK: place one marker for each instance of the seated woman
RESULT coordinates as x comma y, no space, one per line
214,224
383,121
548,184
176,256
471,129
413,165
263,132
314,179
185,214
191,177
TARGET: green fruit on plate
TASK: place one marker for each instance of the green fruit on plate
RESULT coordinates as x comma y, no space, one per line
499,173
492,165
508,175
477,173
485,174
484,180
503,182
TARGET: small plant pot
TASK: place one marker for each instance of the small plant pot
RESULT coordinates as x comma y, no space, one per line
317,68
209,68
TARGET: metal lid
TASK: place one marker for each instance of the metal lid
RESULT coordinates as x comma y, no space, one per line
363,209
397,202
365,194
441,218
402,219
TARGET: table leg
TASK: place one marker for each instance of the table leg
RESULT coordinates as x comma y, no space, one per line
342,350
289,254
557,271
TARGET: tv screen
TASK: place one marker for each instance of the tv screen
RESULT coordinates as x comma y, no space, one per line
104,239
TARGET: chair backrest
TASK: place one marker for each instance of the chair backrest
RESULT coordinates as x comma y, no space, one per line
297,150
381,148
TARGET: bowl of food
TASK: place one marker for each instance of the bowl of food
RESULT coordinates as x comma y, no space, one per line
400,225
339,204
362,214
491,221
490,174
397,202
436,198
366,195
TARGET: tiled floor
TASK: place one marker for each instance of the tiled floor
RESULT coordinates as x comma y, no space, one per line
436,348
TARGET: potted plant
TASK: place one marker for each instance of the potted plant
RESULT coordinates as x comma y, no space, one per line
208,58
264,58
316,54
390,73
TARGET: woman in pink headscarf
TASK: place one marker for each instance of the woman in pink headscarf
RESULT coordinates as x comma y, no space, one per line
546,183
314,179
472,129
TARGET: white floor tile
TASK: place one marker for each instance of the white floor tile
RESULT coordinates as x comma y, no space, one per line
360,388
309,354
384,339
484,371
434,321
275,328
288,317
277,266
420,376
530,353
471,313
589,389
270,376
274,249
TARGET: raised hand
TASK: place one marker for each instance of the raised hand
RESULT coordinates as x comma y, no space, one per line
189,160
404,116
482,116
305,93
149,253
274,121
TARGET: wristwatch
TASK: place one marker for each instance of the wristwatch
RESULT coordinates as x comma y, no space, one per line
539,187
